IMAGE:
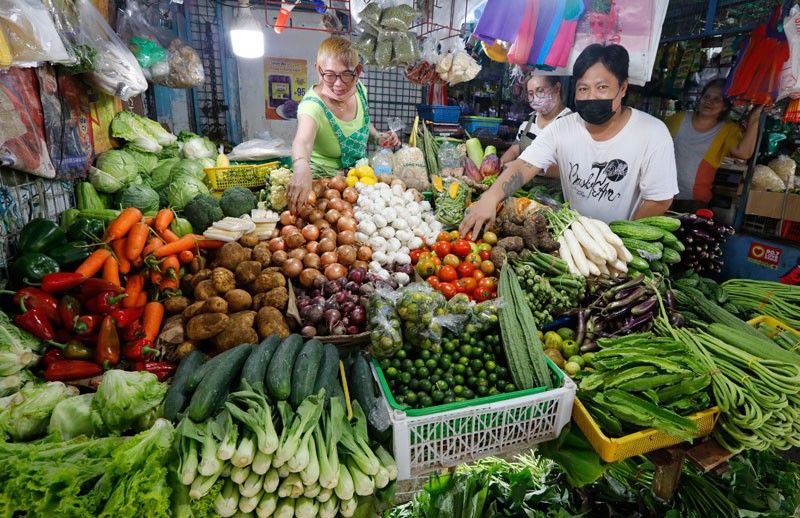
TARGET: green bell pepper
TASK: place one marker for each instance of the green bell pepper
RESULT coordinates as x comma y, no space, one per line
68,217
40,235
70,254
32,267
84,229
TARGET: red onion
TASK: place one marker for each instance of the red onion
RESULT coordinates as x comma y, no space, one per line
358,316
353,330
357,275
309,331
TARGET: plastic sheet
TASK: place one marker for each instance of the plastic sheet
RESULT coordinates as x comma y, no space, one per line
31,34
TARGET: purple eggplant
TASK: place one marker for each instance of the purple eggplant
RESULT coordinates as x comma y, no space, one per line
644,307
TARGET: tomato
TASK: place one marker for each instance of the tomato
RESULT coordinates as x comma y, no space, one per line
484,247
490,237
435,260
468,236
478,275
461,248
474,259
448,274
425,268
415,255
442,248
454,234
489,283
487,267
434,282
451,260
485,255
447,289
444,236
466,285
465,269
482,294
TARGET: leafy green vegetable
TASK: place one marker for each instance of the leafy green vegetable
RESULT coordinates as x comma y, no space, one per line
143,197
124,397
184,188
162,172
13,338
28,414
237,201
199,147
170,151
145,162
119,164
142,133
181,226
188,166
72,417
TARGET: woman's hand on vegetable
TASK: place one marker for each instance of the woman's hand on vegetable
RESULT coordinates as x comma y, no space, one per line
479,216
299,186
388,139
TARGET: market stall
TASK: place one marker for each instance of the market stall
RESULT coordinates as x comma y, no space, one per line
181,336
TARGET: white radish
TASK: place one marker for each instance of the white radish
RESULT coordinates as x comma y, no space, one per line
597,235
563,252
603,269
581,263
593,268
620,266
592,247
608,234
623,253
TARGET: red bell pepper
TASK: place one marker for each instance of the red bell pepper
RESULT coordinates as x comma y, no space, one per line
64,335
127,316
34,298
69,370
93,286
162,370
85,325
107,350
139,350
35,321
51,355
69,308
105,302
61,281
132,332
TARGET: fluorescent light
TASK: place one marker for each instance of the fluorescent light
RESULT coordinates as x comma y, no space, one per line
247,35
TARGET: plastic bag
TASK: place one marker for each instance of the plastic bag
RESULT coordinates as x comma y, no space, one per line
31,34
419,307
449,156
116,70
371,16
384,49
765,179
67,20
409,167
365,45
405,49
784,167
386,337
399,17
259,149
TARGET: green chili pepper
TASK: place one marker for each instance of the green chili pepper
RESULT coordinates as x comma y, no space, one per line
40,235
32,267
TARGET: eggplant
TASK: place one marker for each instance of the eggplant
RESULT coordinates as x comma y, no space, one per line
627,301
636,323
644,307
670,299
677,320
634,281
589,347
581,328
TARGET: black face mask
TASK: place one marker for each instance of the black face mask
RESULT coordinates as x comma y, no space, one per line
595,111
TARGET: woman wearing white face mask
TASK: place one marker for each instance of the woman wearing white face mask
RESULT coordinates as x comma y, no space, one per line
544,97
333,124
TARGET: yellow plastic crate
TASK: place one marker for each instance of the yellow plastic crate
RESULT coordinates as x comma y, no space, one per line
637,443
220,178
774,322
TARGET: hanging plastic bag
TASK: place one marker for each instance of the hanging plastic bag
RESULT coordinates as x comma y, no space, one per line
386,336
384,49
398,17
116,70
365,45
31,34
67,20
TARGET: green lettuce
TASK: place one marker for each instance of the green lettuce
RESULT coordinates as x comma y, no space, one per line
143,197
15,339
140,132
187,166
119,164
161,173
183,188
199,147
125,397
72,417
145,162
28,414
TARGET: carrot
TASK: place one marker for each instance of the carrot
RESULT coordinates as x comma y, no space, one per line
208,244
155,277
168,284
149,220
92,264
141,300
186,257
111,271
153,316
122,224
137,237
138,263
133,288
169,236
163,220
170,267
187,242
118,245
154,244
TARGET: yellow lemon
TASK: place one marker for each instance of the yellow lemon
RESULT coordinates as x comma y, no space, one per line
369,180
351,181
365,171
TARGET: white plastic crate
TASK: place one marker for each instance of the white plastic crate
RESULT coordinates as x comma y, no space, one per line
428,443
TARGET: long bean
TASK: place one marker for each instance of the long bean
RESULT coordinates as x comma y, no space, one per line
781,301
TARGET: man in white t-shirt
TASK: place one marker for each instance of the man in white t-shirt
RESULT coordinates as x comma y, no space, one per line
615,162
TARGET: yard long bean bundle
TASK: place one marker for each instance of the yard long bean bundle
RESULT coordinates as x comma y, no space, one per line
781,301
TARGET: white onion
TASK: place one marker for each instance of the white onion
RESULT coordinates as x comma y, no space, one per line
380,257
414,243
377,243
367,226
390,214
393,244
384,275
401,278
375,267
379,221
361,237
404,250
403,235
401,258
400,224
387,232
425,206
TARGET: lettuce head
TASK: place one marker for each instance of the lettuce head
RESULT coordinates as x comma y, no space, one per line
145,162
123,398
140,132
143,197
72,417
161,173
188,166
119,164
183,188
28,414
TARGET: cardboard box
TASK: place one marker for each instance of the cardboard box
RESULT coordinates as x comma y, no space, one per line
771,205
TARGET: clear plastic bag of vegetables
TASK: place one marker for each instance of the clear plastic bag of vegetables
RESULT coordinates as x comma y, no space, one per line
365,45
450,156
406,50
384,50
424,313
451,197
409,166
386,337
398,17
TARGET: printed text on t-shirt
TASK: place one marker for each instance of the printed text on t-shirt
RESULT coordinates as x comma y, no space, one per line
598,183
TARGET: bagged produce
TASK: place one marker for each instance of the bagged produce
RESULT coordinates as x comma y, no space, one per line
384,49
409,167
765,179
67,20
31,34
399,17
365,45
406,51
784,167
386,337
371,16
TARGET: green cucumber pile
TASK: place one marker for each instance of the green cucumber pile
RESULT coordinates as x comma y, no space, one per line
652,243
642,381
549,288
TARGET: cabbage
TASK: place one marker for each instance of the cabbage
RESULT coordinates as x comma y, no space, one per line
143,197
183,188
160,175
199,147
145,162
143,134
207,162
125,397
73,417
171,151
28,414
119,164
103,182
191,167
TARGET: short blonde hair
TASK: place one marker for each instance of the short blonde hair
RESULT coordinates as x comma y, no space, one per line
338,48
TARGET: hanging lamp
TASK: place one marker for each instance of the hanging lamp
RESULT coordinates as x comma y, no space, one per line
247,35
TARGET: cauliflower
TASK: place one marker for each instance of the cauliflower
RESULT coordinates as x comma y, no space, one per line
278,180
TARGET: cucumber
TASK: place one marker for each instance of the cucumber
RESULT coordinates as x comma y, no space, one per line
177,393
669,239
678,246
650,251
328,375
216,384
636,230
658,267
670,256
197,376
637,263
279,372
663,222
304,372
362,387
255,368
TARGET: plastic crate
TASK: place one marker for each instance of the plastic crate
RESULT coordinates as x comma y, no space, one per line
774,322
637,443
791,230
220,178
439,113
486,125
448,435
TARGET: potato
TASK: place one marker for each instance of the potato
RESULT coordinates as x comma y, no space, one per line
194,309
262,254
271,322
277,298
239,330
249,240
238,300
230,255
186,283
205,326
200,277
247,271
223,280
174,305
215,304
183,350
268,280
248,254
204,290
258,300
198,263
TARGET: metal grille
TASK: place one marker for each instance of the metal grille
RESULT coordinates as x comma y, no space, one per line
22,198
209,98
689,17
390,95
761,225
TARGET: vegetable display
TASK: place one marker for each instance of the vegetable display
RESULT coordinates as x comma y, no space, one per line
781,301
651,243
550,290
703,239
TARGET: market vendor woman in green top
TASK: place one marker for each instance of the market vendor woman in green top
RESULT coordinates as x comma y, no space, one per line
333,125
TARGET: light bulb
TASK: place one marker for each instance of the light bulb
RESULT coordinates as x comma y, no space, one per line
247,36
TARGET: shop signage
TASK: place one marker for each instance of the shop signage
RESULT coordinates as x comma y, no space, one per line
285,83
764,255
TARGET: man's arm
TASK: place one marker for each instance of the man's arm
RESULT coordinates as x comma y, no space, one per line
511,154
652,208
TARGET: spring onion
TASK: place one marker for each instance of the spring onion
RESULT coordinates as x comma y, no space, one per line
271,481
261,462
267,504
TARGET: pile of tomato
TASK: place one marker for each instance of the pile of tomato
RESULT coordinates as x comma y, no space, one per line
459,265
